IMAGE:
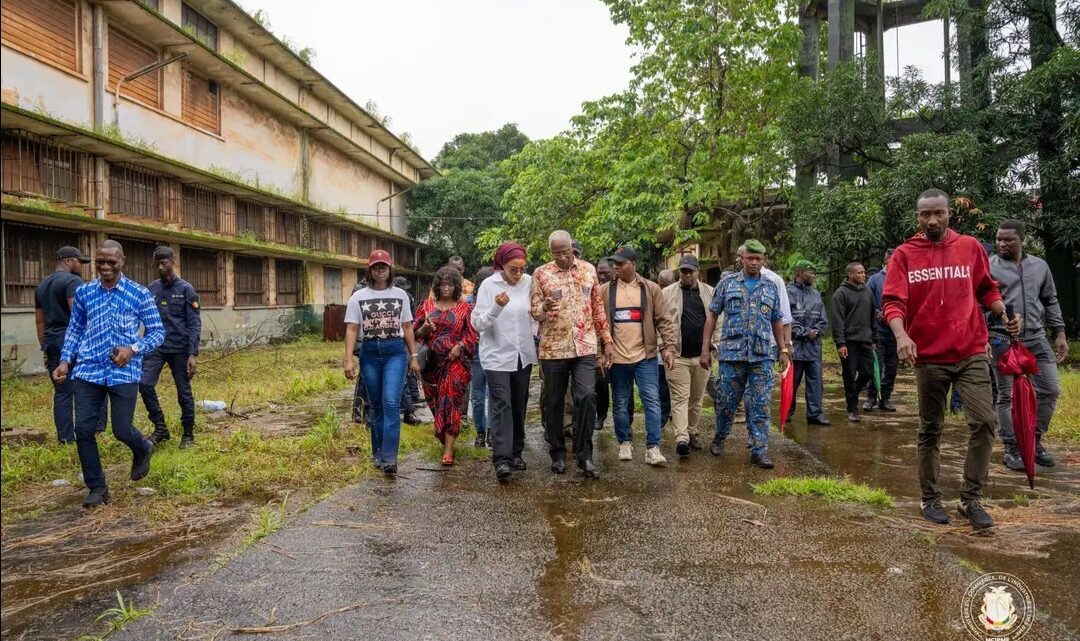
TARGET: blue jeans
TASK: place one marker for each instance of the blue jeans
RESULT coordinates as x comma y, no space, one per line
479,393
383,364
154,362
812,371
89,398
64,396
646,374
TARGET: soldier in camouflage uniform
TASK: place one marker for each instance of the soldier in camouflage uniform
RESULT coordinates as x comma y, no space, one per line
752,320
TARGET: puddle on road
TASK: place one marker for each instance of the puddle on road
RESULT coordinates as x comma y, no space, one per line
1037,536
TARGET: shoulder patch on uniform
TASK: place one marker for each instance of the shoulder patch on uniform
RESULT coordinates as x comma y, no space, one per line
195,303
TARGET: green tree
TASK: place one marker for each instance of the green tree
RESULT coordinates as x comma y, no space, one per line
482,150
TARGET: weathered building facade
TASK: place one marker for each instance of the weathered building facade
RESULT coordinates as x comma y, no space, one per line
185,122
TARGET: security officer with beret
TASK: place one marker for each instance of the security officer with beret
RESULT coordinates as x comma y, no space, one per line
752,324
178,304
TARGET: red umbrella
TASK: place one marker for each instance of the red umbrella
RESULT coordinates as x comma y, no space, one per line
1019,362
787,394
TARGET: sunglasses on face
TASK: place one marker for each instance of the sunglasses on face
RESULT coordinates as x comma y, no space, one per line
110,263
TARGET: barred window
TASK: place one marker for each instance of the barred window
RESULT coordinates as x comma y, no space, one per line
203,269
30,256
249,220
199,26
200,208
286,228
320,237
287,278
40,167
138,259
135,193
248,281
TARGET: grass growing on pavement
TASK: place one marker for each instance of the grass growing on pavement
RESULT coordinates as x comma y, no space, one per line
830,489
1066,424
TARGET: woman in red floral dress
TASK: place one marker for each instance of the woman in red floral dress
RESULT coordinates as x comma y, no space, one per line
444,325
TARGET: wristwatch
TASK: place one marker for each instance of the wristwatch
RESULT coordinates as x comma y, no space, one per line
135,347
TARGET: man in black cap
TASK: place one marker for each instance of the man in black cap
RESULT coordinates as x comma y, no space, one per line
178,304
52,311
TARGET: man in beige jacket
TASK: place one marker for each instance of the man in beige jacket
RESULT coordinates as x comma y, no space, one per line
687,301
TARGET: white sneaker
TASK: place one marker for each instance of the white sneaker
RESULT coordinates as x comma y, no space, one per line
626,451
654,457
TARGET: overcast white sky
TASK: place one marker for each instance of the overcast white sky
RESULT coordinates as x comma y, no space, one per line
441,67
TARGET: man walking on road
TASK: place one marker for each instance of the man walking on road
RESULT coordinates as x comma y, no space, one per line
104,332
638,316
688,299
854,334
178,304
936,283
750,305
886,346
1028,287
566,301
52,311
809,324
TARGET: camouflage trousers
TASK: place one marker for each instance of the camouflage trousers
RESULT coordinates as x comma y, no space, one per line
754,381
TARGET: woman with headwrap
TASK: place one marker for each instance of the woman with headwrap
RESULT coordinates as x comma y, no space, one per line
507,353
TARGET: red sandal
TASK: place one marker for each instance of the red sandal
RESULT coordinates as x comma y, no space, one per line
448,459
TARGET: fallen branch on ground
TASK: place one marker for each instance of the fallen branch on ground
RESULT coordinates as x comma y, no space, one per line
274,629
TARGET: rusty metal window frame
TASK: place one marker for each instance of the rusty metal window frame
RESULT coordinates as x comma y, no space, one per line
198,26
250,220
288,282
249,281
30,256
205,270
143,193
201,208
39,167
287,228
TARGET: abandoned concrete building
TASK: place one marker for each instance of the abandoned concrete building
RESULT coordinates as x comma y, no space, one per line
187,123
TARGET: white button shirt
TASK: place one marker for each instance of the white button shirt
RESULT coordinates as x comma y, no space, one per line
785,304
506,333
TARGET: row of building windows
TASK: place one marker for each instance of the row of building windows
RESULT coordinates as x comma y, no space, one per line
29,256
37,167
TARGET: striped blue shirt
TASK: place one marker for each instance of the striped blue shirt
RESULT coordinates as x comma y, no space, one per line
102,319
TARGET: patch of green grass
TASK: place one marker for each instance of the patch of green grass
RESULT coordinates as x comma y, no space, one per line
830,489
971,566
124,614
1021,499
1066,424
268,521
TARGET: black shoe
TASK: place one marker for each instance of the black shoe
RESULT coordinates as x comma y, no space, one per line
160,435
588,468
186,441
934,511
1042,457
389,469
868,406
1012,458
518,464
682,449
761,460
558,466
853,417
695,444
410,419
481,440
96,498
140,464
818,420
886,406
503,473
716,448
976,515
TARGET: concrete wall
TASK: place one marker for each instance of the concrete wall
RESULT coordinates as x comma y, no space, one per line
339,181
37,86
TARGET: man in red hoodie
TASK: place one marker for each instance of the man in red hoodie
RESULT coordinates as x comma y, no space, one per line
934,286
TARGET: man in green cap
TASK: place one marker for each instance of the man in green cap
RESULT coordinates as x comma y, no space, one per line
809,324
750,305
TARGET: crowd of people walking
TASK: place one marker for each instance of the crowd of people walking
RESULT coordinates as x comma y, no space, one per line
597,332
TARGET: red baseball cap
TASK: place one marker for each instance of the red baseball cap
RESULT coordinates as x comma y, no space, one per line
379,256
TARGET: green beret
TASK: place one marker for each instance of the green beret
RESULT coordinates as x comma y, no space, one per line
754,246
805,264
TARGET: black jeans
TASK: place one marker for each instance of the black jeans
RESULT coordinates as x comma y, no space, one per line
858,372
508,395
151,371
89,398
64,396
889,361
558,374
814,381
665,396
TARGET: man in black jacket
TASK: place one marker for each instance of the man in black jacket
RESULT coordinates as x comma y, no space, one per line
808,326
854,333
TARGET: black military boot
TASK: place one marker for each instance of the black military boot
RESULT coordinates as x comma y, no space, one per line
1042,457
160,434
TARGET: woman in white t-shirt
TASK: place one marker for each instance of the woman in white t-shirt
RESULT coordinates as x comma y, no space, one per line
507,354
381,317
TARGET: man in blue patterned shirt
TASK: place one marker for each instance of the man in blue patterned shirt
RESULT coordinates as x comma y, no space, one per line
104,333
752,321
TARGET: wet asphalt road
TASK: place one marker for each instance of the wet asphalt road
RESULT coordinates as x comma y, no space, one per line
643,553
